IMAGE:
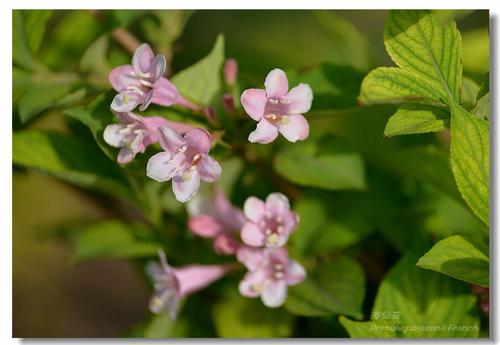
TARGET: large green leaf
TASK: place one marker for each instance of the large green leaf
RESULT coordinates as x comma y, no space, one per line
336,287
470,149
428,55
113,239
476,55
201,82
415,303
459,258
323,162
71,159
241,317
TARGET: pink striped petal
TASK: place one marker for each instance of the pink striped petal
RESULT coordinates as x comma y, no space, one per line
300,99
276,84
254,102
122,77
294,127
199,139
265,133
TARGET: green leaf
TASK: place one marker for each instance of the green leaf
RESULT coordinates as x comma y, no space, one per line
96,117
428,55
335,86
39,98
318,234
95,60
459,258
470,147
482,105
415,303
469,93
70,159
113,239
336,287
413,118
240,317
325,163
436,172
28,27
201,82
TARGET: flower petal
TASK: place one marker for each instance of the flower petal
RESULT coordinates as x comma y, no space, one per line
294,273
148,97
170,140
254,209
252,235
204,226
225,244
250,257
112,135
126,101
143,59
274,294
186,186
300,99
252,284
265,133
294,128
277,203
125,155
162,166
209,169
199,139
254,102
193,278
231,217
165,93
276,84
160,65
122,77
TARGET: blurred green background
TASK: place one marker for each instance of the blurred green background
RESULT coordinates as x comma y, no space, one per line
52,297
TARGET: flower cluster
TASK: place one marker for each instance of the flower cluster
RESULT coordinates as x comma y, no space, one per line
256,235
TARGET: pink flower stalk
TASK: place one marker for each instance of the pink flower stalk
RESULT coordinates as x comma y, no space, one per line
271,271
172,284
185,161
222,222
269,224
135,133
277,109
143,83
230,71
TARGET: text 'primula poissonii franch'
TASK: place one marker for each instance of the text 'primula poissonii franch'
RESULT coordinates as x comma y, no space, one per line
257,234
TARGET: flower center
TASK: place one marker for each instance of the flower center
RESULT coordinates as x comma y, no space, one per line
273,228
279,271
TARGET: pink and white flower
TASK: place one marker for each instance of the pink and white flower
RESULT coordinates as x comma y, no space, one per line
270,223
185,161
270,273
134,133
220,220
277,109
142,83
172,284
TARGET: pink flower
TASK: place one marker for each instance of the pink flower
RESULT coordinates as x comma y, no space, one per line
230,71
270,273
270,223
222,222
135,133
185,161
277,109
143,83
172,284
